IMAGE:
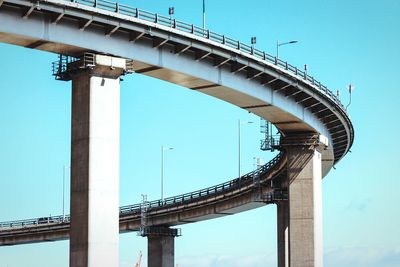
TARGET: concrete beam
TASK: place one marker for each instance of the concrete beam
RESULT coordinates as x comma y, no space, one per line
179,48
134,36
236,67
57,18
158,42
28,12
111,30
84,24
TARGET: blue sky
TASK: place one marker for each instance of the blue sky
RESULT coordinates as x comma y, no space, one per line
341,41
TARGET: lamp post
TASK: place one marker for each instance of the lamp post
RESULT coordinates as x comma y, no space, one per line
162,169
253,41
239,143
351,88
171,11
63,202
278,44
204,14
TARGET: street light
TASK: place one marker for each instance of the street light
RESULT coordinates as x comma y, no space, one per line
63,202
253,42
204,14
171,11
278,44
239,154
163,148
351,88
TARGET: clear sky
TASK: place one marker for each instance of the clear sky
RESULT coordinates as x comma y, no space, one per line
341,41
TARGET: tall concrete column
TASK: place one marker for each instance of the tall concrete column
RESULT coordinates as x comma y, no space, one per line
160,246
283,233
94,234
160,251
300,217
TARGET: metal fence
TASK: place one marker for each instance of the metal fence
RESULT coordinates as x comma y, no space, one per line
218,38
35,222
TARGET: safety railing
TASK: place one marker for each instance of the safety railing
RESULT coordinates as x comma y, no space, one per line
218,38
237,183
206,192
35,222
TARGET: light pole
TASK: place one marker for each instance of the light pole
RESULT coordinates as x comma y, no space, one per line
278,44
171,11
239,141
162,169
204,14
63,202
253,42
351,88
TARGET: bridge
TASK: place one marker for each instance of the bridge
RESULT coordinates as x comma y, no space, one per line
98,42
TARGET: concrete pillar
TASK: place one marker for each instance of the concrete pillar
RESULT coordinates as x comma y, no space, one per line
94,234
283,233
305,207
160,251
160,245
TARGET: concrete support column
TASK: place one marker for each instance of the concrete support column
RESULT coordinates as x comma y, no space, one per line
161,252
283,233
160,245
94,234
305,207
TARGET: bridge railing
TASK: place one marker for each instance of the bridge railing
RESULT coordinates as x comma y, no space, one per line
222,39
206,192
136,208
35,222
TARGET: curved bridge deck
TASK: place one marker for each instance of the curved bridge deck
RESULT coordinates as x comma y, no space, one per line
253,190
187,55
300,107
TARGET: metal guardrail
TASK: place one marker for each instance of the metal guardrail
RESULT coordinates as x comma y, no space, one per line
206,192
35,222
219,38
237,183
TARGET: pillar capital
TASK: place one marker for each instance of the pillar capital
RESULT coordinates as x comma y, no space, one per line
300,140
66,68
160,231
303,141
160,245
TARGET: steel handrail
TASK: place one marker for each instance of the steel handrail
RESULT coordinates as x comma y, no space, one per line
219,38
206,192
136,208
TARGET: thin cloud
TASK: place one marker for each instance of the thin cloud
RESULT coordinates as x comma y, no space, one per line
362,256
228,260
